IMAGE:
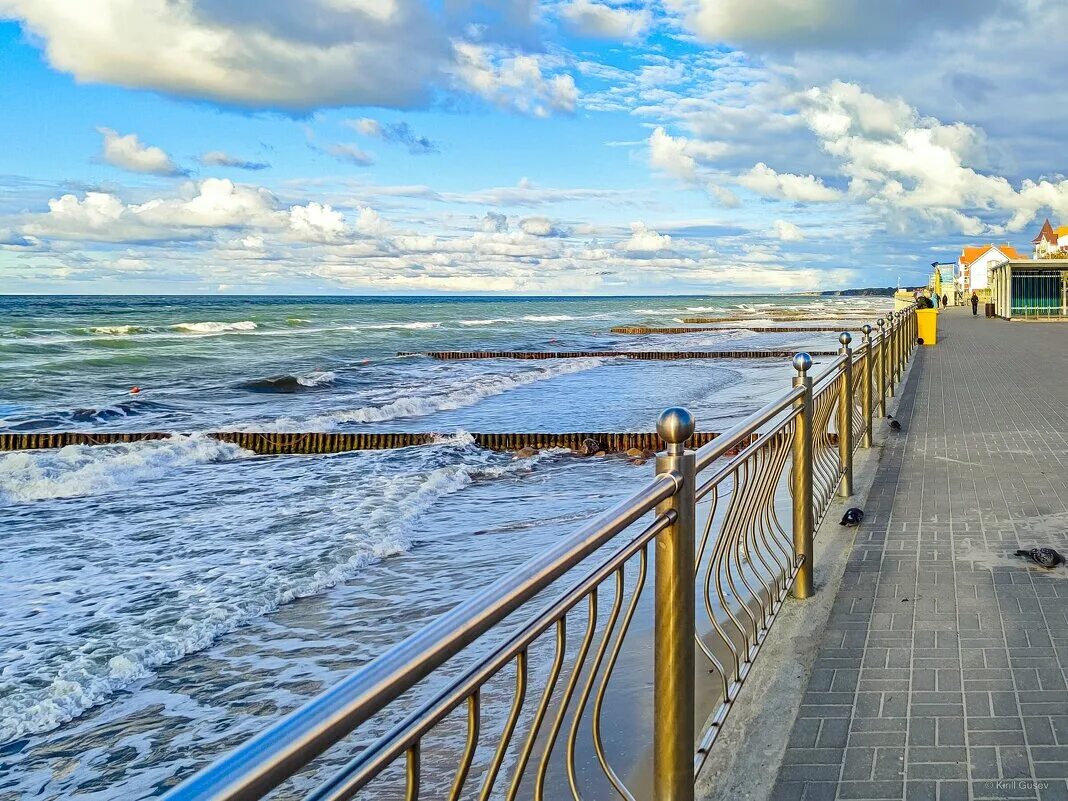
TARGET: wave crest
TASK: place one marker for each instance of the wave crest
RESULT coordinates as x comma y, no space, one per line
459,396
216,328
79,470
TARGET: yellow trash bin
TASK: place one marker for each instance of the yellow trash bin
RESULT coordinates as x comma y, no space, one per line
927,325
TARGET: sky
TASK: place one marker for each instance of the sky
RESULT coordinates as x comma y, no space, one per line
521,146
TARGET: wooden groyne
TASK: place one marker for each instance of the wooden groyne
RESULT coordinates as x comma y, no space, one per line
641,329
340,442
648,355
858,321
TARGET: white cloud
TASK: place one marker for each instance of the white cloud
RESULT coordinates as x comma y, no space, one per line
588,18
914,168
787,231
723,196
514,81
765,181
128,153
542,226
679,156
294,57
351,154
316,222
369,223
493,223
204,210
398,133
219,158
644,240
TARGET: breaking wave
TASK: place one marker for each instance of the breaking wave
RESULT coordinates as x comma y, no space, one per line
79,470
284,384
206,604
216,328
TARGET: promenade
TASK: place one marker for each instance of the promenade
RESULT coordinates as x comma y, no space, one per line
941,674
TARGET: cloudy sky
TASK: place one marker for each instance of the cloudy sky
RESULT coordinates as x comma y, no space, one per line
518,146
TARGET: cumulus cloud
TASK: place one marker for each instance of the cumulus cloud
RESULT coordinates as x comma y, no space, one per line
787,231
398,133
203,211
602,21
294,57
219,158
765,181
128,153
679,156
542,226
519,82
911,167
644,240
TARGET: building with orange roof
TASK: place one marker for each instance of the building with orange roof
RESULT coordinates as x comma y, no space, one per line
975,262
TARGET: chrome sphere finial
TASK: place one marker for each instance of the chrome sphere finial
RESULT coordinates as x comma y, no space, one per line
675,426
802,362
845,338
880,322
866,329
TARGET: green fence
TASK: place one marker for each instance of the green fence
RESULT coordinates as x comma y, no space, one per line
1038,293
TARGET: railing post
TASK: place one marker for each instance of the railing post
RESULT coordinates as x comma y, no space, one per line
865,390
901,335
891,341
880,367
845,417
802,480
674,609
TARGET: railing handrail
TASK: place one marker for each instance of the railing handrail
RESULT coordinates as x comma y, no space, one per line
269,758
740,432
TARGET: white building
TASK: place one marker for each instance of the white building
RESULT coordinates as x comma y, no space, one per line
975,262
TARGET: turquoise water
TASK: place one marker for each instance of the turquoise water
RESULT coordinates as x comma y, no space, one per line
165,599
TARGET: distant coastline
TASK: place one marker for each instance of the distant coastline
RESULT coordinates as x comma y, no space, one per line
869,292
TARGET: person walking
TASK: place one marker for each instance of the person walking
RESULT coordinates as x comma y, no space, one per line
945,301
975,305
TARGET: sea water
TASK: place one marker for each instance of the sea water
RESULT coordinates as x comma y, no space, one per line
163,600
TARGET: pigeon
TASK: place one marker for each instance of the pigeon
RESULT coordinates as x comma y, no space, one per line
894,424
1045,557
852,517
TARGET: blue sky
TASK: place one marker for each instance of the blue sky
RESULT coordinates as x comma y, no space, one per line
561,146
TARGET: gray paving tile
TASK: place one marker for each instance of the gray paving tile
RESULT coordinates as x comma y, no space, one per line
960,691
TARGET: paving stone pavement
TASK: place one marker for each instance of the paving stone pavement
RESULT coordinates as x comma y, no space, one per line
941,675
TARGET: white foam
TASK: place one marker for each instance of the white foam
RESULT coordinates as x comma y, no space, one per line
78,470
459,396
89,672
317,378
551,318
418,326
216,328
116,330
491,321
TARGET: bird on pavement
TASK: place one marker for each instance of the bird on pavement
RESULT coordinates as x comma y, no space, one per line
894,424
852,517
1045,557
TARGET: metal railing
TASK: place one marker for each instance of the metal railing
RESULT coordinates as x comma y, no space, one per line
726,539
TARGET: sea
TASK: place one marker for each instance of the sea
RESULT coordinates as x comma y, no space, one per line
164,600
